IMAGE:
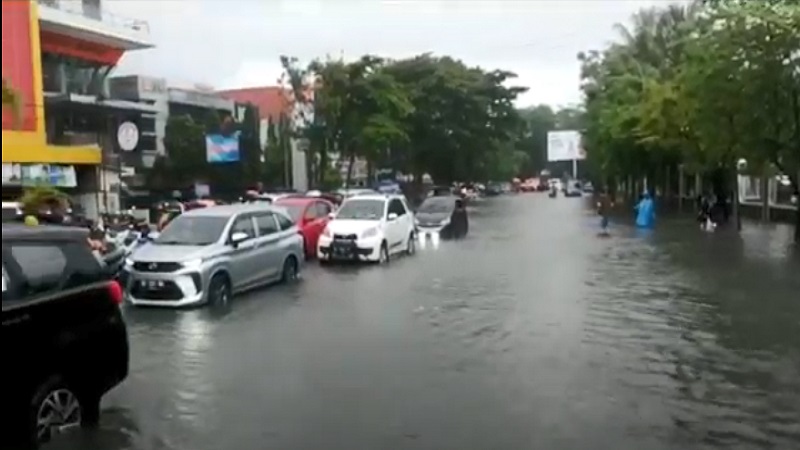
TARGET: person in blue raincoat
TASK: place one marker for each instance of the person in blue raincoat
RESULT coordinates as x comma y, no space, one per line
645,212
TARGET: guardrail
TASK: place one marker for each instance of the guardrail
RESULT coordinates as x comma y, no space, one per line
96,13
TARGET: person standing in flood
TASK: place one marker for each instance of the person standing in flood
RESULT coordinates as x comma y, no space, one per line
645,212
604,205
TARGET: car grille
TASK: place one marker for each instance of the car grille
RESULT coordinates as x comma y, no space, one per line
157,267
347,237
169,291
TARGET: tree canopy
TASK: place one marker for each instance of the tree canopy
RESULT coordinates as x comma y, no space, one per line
422,115
699,86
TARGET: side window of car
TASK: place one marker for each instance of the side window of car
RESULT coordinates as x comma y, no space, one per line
284,222
266,224
43,267
311,213
323,209
396,206
244,224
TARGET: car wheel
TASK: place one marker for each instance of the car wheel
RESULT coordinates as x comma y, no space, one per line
384,257
55,408
290,270
219,291
411,247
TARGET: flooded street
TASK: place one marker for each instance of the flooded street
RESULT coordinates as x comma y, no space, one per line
533,333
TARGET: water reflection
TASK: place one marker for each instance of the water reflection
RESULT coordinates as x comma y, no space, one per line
649,339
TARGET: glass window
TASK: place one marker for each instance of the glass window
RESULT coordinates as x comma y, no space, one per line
437,205
355,209
284,221
295,211
193,230
266,224
244,224
43,266
396,206
323,209
311,212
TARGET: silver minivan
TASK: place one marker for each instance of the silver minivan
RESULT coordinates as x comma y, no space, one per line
207,255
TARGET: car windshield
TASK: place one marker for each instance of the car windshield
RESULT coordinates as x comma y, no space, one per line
436,205
192,230
361,210
295,211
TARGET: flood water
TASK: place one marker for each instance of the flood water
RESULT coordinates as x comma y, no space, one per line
533,333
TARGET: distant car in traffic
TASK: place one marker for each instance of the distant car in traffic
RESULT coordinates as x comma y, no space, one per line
572,188
12,212
311,216
445,216
369,228
588,187
66,343
207,255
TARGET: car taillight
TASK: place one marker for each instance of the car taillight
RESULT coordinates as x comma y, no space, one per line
115,292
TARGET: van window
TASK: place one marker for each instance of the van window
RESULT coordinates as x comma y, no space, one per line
284,221
396,206
42,266
266,224
244,224
323,209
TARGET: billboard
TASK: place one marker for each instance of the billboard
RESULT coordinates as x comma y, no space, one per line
564,146
222,149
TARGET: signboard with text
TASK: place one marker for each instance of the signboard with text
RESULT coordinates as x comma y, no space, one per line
564,146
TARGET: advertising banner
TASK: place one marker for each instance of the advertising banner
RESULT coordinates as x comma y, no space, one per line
564,146
222,149
48,175
12,174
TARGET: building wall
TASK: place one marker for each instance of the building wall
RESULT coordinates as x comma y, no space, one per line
21,56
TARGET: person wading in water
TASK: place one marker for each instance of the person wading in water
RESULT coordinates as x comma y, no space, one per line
604,205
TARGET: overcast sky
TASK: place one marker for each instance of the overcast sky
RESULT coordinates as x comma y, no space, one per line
236,43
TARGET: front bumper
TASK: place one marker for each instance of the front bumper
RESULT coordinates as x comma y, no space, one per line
171,290
329,249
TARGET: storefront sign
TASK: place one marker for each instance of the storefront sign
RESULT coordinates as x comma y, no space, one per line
12,174
49,175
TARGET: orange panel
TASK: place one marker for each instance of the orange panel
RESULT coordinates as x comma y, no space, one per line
18,64
88,51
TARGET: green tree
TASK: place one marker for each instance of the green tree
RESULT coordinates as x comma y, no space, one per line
185,161
701,86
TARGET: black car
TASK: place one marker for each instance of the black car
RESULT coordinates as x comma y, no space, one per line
66,343
445,216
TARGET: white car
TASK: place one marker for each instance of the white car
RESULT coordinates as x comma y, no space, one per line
369,228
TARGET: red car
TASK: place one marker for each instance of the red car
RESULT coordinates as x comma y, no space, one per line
311,215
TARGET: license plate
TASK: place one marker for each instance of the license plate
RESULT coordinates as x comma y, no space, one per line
151,285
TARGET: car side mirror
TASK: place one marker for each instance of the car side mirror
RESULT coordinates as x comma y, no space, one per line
238,237
331,216
392,217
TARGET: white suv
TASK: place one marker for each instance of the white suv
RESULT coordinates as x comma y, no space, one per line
369,228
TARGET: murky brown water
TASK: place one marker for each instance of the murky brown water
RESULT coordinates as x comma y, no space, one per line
531,334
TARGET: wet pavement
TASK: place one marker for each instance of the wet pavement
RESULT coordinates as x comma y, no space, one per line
533,333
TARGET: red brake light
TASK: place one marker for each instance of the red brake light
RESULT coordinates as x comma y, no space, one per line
115,292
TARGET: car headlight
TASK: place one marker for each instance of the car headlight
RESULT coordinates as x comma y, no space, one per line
416,221
192,263
128,262
372,232
445,222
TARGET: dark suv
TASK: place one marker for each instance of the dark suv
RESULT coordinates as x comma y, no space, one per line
66,344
